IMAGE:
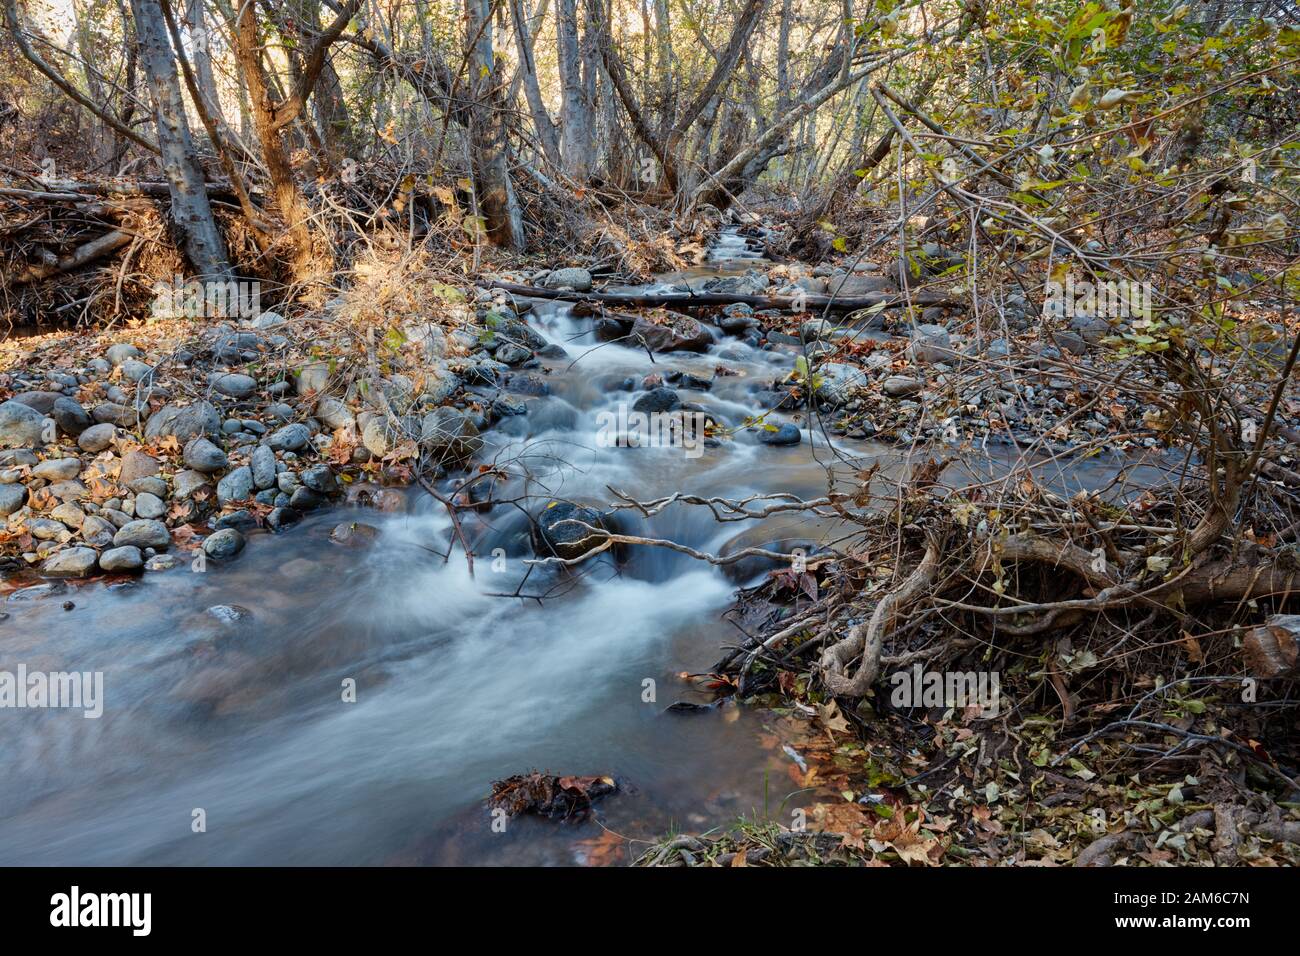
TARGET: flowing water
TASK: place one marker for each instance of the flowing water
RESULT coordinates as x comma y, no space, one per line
458,683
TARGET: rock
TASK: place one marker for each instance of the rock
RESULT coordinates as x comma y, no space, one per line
676,333
558,533
70,563
57,469
69,514
186,483
117,354
184,421
229,614
17,456
847,286
21,425
334,414
513,354
786,434
37,401
135,371
151,485
234,385
161,562
354,534
136,464
149,506
263,464
46,529
375,436
97,438
316,378
236,486
900,386
72,490
282,517
98,531
125,558
304,499
577,279
931,343
1090,328
114,413
12,497
448,434
143,533
657,400
202,455
71,418
289,438
320,478
835,382
224,544
1069,342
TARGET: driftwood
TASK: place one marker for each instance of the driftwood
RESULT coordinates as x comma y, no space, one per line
701,300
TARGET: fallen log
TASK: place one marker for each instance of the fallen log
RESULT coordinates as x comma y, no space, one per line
79,257
701,300
1272,648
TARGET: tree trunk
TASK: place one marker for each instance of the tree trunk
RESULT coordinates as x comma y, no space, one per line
293,207
575,118
503,219
547,137
190,210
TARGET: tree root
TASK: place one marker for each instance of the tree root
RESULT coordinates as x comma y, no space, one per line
870,639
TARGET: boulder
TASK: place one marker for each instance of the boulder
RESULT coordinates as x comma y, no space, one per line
559,531
143,533
572,278
70,563
183,421
20,426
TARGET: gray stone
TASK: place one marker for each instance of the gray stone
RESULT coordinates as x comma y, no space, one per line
71,418
70,563
559,531
334,414
12,497
577,279
20,425
125,558
134,371
72,490
113,413
96,438
136,464
448,434
149,506
183,421
320,478
931,343
316,377
786,434
236,486
161,562
262,464
202,455
143,533
224,544
835,382
900,386
150,484
98,531
57,469
290,438
234,385
186,483
69,514
117,354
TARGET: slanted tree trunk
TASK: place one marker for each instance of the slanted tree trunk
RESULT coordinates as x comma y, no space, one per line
548,139
490,151
190,211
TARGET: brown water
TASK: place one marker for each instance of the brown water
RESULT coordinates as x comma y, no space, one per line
457,685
